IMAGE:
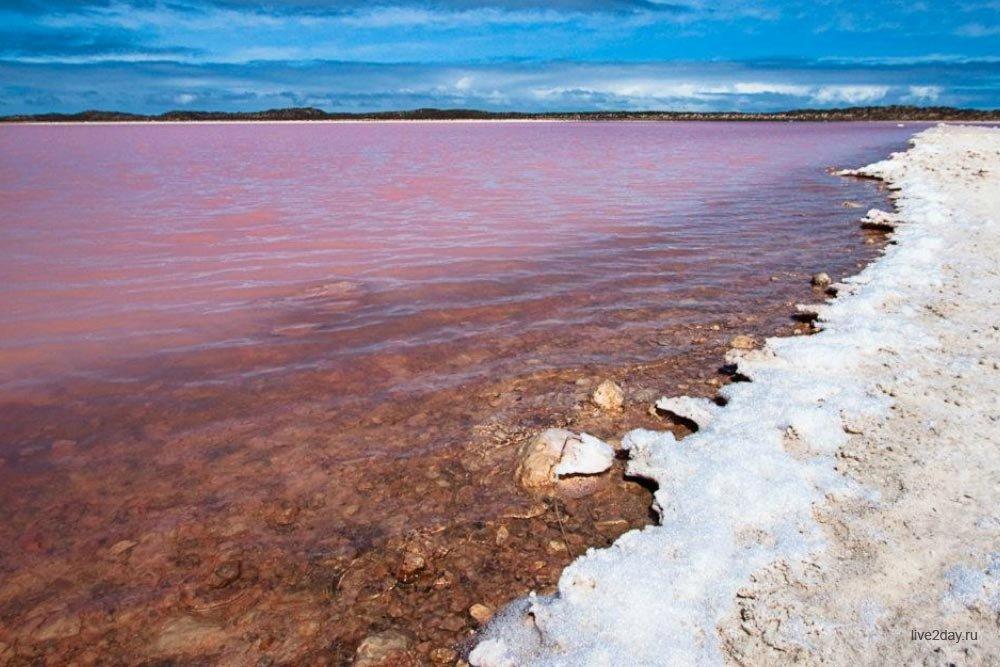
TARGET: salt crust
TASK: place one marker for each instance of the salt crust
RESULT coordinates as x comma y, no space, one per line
735,497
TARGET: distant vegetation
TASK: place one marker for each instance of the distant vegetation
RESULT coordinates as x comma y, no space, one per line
896,113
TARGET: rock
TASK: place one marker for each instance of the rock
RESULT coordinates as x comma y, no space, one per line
608,396
187,634
539,457
308,629
443,656
851,204
412,565
282,515
557,451
645,395
581,486
226,573
820,279
612,526
743,342
472,463
446,580
382,649
481,613
122,547
58,627
452,623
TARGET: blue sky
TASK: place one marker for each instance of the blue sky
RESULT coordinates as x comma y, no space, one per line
350,55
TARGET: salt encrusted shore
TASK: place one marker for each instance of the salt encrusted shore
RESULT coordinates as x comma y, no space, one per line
847,497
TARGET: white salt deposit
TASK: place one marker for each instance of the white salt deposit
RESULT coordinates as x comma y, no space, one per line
585,455
876,219
740,494
701,411
971,586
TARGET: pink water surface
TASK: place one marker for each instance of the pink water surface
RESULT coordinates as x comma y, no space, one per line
290,353
121,242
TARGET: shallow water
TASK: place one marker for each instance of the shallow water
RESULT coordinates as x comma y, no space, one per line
296,343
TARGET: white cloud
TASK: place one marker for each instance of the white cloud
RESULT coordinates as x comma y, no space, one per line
924,93
396,17
978,30
850,94
754,88
721,86
654,89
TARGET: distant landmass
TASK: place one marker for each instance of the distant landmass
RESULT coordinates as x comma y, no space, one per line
894,113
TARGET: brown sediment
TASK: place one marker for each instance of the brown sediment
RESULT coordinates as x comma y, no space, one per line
195,521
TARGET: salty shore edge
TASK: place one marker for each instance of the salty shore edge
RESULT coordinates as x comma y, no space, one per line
757,484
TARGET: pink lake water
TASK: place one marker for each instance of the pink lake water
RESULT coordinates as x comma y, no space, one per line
245,367
121,242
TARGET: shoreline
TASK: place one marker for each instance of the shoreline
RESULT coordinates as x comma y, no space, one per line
878,114
812,428
482,121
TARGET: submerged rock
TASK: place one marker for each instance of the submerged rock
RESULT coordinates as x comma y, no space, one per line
382,649
122,547
608,396
480,612
743,342
443,656
539,457
411,566
820,279
226,573
58,627
189,635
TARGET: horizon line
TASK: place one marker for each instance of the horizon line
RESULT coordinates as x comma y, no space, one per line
314,114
